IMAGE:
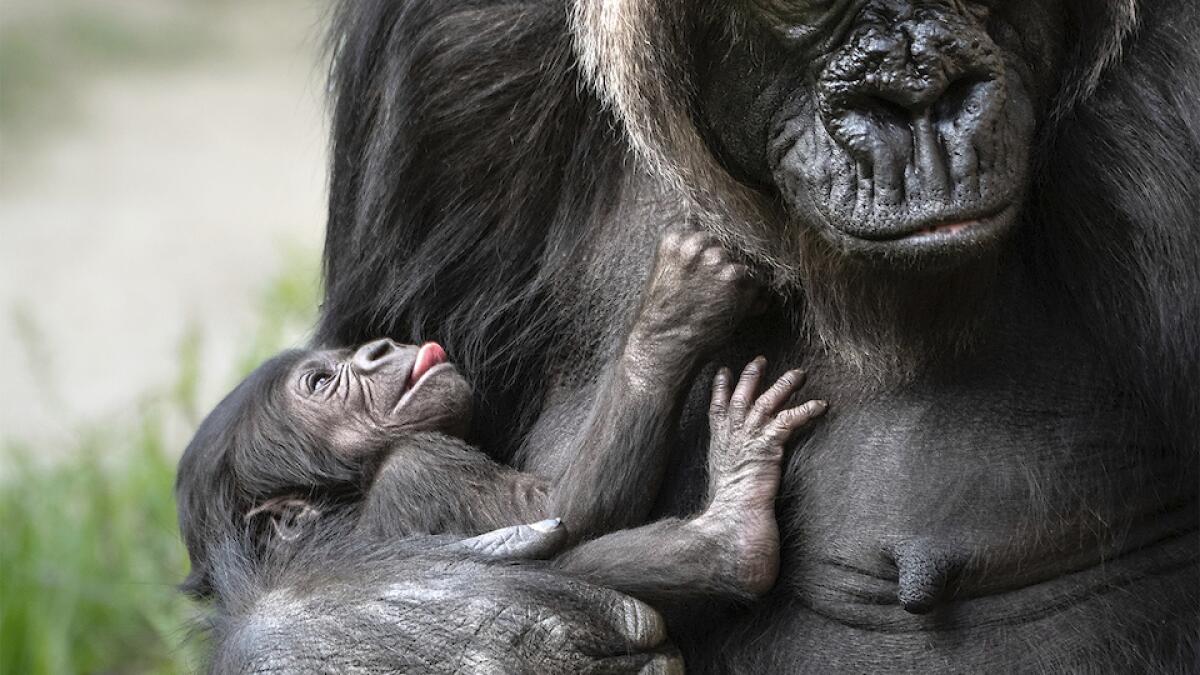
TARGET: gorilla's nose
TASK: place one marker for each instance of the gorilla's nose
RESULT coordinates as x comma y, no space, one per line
372,355
894,75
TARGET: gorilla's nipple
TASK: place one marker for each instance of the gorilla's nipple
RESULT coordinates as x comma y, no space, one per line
926,568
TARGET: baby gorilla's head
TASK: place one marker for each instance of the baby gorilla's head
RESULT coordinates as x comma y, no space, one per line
305,427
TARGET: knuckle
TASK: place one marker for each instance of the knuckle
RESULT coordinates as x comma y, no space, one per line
712,256
691,247
641,624
729,273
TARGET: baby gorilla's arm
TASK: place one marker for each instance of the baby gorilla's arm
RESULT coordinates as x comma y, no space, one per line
431,483
436,484
608,461
602,457
732,548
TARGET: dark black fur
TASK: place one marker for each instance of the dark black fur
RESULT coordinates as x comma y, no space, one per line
472,186
474,165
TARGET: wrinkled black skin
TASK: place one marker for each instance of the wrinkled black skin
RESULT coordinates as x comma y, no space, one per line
1035,403
276,616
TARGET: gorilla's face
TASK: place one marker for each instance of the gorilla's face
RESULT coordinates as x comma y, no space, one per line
897,130
358,401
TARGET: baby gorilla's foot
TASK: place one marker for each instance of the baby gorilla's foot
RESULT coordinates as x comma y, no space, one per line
695,295
745,457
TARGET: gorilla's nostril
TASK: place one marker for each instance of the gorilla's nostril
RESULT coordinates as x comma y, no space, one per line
887,112
379,350
373,353
965,96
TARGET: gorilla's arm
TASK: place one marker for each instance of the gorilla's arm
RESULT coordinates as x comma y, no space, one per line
1128,240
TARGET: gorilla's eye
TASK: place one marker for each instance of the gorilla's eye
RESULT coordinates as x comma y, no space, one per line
318,380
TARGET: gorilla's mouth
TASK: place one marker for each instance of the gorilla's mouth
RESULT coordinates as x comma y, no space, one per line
428,364
413,370
961,229
431,394
429,356
907,194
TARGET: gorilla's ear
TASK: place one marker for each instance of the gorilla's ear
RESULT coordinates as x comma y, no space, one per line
289,515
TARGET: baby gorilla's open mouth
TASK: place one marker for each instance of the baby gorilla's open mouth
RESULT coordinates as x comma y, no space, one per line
433,396
430,360
429,356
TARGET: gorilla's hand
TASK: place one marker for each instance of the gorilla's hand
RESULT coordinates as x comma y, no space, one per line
437,610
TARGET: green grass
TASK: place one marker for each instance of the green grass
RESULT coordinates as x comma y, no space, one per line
89,551
89,555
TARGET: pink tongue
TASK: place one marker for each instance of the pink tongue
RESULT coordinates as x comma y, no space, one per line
429,355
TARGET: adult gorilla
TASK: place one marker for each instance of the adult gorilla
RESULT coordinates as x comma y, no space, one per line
979,220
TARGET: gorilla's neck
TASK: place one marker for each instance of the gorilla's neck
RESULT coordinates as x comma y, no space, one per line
891,323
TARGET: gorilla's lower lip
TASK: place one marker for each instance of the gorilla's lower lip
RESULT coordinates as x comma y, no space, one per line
964,231
425,377
943,228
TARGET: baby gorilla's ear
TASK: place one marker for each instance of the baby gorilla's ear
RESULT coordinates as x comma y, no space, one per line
289,515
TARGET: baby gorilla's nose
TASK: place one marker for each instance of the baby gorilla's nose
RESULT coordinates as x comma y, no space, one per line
372,355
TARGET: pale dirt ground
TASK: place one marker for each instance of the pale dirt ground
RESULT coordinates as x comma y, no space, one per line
167,204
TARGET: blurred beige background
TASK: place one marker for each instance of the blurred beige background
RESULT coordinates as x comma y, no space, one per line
161,161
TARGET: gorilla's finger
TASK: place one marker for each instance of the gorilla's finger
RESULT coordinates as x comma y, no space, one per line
664,664
668,663
747,387
788,421
720,393
623,620
535,541
776,395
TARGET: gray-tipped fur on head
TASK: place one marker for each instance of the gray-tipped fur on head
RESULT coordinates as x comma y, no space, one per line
635,54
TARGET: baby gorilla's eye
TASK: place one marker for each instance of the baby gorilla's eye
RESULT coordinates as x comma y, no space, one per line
317,380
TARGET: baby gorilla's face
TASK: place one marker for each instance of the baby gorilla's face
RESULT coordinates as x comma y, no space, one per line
361,398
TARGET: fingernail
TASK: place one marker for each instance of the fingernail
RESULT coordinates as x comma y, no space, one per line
547,525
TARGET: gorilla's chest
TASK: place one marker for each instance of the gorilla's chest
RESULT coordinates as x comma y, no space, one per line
1028,467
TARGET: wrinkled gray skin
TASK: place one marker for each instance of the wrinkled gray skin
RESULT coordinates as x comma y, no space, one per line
295,629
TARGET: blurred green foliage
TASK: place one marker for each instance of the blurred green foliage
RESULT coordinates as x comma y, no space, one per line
90,552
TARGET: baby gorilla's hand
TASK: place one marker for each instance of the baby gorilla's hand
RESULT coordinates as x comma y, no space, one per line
745,455
695,295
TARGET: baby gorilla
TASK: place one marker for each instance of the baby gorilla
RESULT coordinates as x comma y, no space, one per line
367,444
